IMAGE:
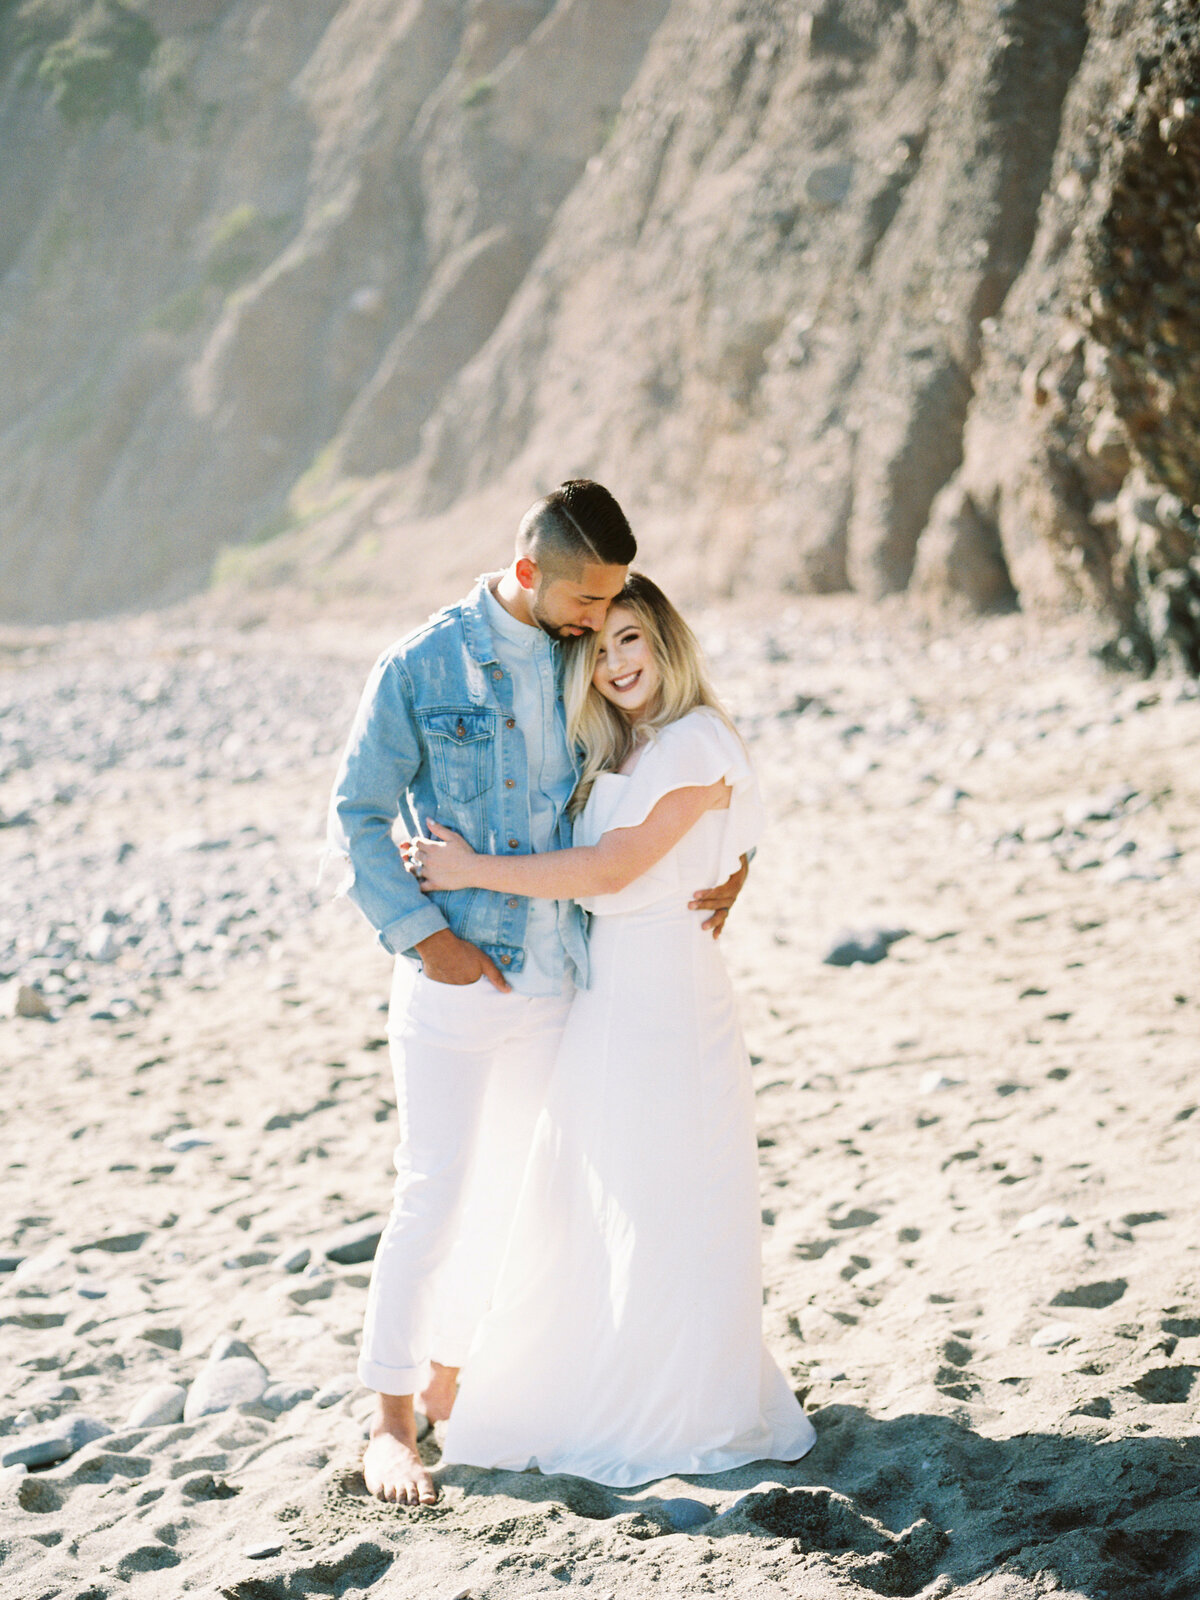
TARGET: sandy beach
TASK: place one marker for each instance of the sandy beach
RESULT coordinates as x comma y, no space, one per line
979,1181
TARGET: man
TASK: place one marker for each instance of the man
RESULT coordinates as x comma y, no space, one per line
463,721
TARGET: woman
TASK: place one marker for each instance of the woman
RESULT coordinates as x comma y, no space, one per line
624,1340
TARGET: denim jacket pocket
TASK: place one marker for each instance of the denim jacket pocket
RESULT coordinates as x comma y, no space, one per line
461,746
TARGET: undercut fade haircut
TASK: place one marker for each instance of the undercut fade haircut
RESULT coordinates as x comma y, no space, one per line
574,525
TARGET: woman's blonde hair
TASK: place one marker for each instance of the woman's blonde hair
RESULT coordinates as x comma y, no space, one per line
604,735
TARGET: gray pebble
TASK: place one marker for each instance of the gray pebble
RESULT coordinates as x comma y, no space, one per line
100,944
262,1550
336,1389
684,1514
294,1260
10,1263
185,1139
867,945
37,1452
23,1000
356,1243
227,1345
114,1243
69,1433
948,797
166,1335
236,1381
161,1404
81,1428
51,1390
283,1396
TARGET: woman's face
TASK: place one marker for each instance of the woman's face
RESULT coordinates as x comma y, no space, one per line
625,672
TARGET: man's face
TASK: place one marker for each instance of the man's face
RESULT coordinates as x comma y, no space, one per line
565,608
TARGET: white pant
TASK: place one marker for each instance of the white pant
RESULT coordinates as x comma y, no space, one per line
471,1067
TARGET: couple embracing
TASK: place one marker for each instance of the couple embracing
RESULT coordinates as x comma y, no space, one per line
575,1225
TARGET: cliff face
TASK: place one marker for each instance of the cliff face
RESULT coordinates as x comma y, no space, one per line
872,294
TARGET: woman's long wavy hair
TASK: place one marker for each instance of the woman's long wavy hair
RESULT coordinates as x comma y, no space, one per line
604,735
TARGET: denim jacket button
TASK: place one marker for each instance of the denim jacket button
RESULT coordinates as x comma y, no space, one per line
497,674
510,783
513,901
513,843
510,722
505,960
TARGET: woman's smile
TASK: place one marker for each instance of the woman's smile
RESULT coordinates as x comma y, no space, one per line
625,672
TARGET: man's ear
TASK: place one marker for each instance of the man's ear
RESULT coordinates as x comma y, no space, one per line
526,569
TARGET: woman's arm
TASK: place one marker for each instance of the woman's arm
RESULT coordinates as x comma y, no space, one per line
448,862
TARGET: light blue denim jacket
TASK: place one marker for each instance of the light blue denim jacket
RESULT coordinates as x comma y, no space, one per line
435,736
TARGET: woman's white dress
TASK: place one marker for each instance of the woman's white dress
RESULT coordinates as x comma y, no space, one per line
624,1340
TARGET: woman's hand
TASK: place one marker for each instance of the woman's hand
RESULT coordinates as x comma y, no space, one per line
443,861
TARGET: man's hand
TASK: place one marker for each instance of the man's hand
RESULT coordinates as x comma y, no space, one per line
720,900
445,958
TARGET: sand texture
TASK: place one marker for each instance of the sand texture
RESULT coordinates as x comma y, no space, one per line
978,1152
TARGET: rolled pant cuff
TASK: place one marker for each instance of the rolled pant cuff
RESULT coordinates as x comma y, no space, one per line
388,1380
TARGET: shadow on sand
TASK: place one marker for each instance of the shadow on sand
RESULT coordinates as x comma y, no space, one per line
891,1504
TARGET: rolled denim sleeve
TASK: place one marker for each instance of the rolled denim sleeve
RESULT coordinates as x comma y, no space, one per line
382,755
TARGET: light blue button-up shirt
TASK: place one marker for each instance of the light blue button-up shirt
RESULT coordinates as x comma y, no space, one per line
529,656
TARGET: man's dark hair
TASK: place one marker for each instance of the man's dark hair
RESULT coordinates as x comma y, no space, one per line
577,523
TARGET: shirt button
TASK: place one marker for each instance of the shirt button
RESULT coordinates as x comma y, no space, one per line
497,674
505,960
510,783
511,722
514,901
513,843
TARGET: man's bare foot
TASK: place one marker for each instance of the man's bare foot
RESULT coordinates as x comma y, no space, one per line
392,1464
437,1398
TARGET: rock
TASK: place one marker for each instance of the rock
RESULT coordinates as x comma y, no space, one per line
947,797
356,1243
100,944
283,1396
307,1290
262,1550
228,1345
828,186
37,1452
159,1405
69,1433
185,1139
166,1336
1097,808
221,1385
10,1263
867,945
684,1514
82,1429
91,1291
933,1082
1053,1335
294,1260
1044,1217
115,1243
336,1389
51,1392
22,1000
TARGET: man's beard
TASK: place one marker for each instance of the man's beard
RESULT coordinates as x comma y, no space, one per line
563,632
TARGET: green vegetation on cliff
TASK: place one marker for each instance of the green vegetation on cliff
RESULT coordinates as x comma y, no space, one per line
89,56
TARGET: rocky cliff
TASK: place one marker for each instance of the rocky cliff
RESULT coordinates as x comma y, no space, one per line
878,294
